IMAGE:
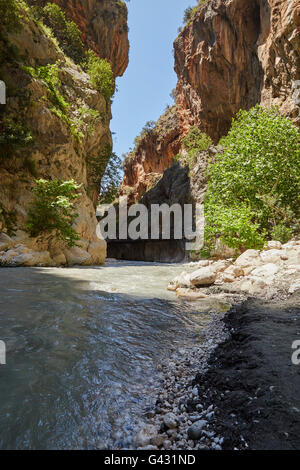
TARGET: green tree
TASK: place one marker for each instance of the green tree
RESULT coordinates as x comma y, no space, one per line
67,32
53,209
10,15
258,176
102,77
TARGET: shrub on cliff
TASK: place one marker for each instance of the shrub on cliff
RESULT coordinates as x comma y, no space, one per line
256,181
102,77
53,209
194,142
67,32
10,16
13,136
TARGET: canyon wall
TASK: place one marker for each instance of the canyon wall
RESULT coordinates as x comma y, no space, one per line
67,125
104,28
232,54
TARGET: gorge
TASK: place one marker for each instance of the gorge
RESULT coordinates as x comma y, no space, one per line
139,344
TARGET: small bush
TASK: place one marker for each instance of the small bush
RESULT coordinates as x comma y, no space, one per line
49,74
53,209
102,77
282,233
258,177
195,142
111,180
67,32
10,16
12,136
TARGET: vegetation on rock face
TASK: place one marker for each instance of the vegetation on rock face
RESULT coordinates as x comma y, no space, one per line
12,136
7,221
111,180
66,32
53,209
10,17
102,77
254,186
190,11
194,142
104,171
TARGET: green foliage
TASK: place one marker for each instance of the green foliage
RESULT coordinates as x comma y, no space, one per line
190,11
10,16
8,220
256,180
53,209
13,135
235,225
104,172
111,180
49,74
102,77
195,142
67,32
188,14
282,233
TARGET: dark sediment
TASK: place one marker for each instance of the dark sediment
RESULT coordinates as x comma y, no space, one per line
251,380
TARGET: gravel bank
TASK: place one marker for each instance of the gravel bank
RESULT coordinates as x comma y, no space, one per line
238,389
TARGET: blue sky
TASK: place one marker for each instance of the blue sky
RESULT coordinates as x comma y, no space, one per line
143,91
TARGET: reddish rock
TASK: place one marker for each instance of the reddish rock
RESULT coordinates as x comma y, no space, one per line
104,28
232,55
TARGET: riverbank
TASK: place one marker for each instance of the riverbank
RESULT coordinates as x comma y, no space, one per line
245,394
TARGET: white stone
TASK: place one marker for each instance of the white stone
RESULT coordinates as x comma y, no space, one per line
273,245
271,256
266,271
189,294
203,277
249,258
183,280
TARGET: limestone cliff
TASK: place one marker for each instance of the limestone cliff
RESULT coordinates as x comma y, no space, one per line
59,131
104,28
232,54
152,155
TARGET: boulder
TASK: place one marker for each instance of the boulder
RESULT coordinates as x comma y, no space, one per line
190,294
97,251
195,430
203,277
5,242
59,259
291,255
271,256
22,256
273,245
183,280
266,271
77,256
170,421
249,258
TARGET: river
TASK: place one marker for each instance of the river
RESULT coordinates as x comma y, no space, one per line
83,345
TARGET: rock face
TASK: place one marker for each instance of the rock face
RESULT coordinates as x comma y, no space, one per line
153,154
104,28
233,54
65,139
265,274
